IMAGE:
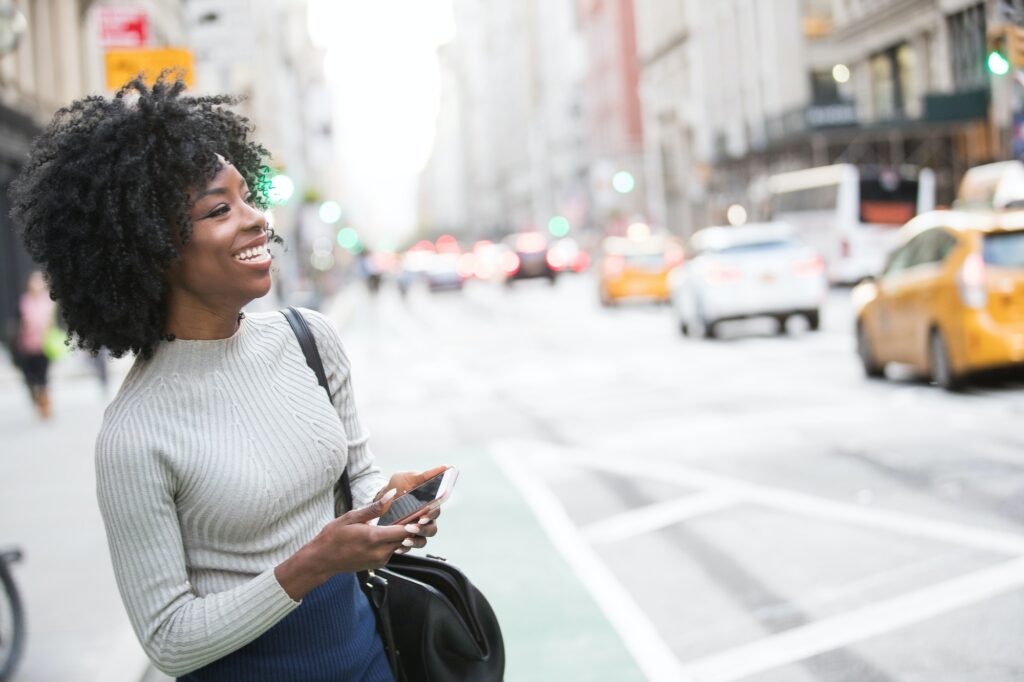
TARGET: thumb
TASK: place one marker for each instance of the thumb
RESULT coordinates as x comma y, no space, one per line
371,511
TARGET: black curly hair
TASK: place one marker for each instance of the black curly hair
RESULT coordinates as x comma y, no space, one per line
103,202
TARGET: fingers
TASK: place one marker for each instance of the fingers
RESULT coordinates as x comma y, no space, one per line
371,511
430,473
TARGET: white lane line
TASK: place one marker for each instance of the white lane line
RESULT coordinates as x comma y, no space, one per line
990,540
656,516
835,632
652,654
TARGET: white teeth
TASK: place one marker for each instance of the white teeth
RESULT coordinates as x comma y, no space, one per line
255,252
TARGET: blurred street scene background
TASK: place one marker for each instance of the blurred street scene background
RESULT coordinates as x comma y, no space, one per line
717,304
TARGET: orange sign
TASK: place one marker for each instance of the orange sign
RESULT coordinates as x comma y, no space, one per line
124,65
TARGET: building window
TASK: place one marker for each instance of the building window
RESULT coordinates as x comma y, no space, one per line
892,80
824,89
967,48
883,87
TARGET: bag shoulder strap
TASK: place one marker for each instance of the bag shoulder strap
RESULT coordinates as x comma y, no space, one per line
343,488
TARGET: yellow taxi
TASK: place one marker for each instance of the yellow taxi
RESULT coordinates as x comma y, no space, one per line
950,300
637,266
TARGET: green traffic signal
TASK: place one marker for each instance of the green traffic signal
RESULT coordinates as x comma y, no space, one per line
997,63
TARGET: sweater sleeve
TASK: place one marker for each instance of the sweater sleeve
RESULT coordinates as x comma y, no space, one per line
178,630
364,474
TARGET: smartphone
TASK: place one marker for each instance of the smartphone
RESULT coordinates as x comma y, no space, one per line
423,499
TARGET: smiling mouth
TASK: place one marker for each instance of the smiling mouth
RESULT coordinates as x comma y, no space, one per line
253,255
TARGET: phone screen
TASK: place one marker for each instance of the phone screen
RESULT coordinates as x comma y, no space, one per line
412,501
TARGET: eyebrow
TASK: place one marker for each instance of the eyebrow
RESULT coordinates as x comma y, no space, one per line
216,190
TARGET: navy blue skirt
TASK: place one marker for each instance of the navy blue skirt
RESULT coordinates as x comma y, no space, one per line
331,637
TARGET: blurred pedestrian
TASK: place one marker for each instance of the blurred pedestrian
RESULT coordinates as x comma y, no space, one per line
368,270
35,319
217,459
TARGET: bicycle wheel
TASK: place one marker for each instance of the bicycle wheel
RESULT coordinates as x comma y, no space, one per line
12,623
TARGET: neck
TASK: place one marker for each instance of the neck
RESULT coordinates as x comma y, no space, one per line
191,319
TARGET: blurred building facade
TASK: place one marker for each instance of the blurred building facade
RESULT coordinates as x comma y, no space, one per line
736,90
511,141
444,205
614,124
715,79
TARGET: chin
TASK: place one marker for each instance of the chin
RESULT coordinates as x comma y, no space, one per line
258,291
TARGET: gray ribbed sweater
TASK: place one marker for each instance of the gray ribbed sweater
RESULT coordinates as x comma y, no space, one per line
216,462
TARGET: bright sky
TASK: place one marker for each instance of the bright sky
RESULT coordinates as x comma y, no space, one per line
382,64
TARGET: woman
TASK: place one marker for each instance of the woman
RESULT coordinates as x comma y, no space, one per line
216,460
35,318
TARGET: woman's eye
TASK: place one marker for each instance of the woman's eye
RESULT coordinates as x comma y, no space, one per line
219,211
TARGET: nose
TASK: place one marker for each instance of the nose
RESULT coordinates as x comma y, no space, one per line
257,219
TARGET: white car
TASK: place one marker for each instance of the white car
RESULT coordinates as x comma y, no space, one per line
756,270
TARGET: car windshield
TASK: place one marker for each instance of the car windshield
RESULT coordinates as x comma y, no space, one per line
1004,249
645,259
757,247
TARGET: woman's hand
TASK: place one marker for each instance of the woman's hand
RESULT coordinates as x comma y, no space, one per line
346,545
425,526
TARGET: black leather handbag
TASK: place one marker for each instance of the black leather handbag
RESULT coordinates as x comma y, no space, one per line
435,624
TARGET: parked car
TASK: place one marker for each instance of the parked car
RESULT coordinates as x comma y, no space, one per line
529,258
755,270
637,267
950,301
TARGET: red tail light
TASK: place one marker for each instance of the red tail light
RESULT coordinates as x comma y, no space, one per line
614,265
810,267
509,263
555,260
582,262
722,274
971,281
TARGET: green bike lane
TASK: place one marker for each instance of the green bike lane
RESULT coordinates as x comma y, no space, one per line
552,627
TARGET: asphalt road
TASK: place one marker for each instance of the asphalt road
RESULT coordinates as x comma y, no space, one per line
750,508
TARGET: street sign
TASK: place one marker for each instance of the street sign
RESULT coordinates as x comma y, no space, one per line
123,27
124,65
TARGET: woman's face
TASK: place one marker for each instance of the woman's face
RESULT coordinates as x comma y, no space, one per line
225,262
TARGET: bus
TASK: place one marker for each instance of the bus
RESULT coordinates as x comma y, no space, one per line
849,214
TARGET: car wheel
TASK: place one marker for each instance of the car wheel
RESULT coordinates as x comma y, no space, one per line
813,319
684,328
872,367
939,364
710,329
781,329
606,300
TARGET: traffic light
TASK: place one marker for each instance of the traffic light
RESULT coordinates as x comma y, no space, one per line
997,61
281,189
1005,49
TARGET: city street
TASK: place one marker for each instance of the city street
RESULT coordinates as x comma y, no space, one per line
636,505
751,508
